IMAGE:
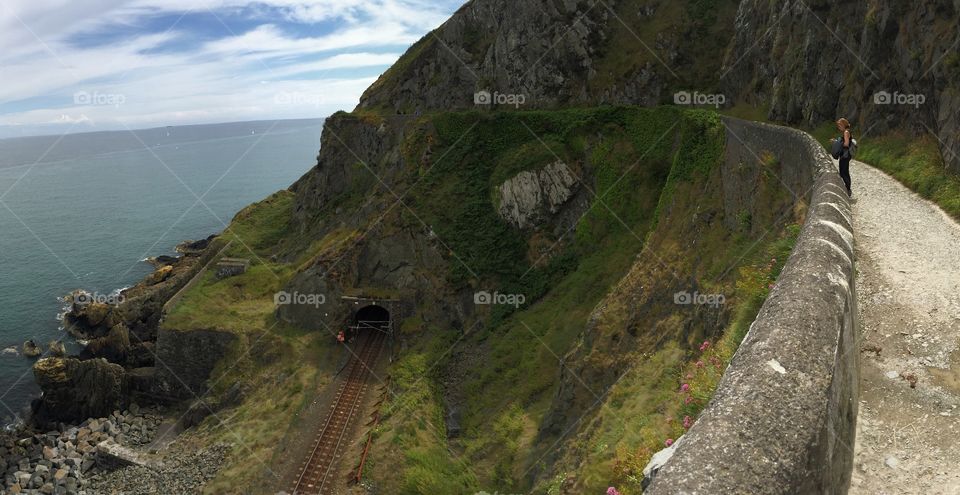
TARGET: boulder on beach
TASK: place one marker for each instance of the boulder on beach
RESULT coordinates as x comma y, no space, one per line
114,346
159,275
74,390
31,349
56,348
163,260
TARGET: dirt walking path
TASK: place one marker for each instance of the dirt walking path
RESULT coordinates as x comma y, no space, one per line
908,284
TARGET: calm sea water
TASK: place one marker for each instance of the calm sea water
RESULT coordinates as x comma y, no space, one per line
83,211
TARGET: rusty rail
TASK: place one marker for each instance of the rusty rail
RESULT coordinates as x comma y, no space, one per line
315,472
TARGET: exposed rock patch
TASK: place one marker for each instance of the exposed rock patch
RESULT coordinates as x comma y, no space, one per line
529,197
63,460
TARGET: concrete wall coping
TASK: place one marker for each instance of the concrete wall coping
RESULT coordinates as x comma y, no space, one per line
783,417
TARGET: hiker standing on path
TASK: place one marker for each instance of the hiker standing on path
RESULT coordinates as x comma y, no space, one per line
844,153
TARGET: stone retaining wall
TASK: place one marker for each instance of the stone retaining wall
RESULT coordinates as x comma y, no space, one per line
185,359
783,418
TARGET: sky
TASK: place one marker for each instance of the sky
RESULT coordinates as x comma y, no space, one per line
82,65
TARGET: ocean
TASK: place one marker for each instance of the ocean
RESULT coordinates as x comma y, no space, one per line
83,211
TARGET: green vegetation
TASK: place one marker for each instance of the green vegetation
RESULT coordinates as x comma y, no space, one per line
417,431
243,303
651,177
916,162
455,197
645,165
682,382
279,367
279,370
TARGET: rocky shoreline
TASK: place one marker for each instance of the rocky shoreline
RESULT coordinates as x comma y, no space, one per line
92,455
117,365
88,432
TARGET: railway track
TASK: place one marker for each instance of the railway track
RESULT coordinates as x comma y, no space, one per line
316,473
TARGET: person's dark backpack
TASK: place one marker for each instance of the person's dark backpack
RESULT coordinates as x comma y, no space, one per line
837,149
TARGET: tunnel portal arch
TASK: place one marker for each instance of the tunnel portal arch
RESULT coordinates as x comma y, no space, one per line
372,317
372,314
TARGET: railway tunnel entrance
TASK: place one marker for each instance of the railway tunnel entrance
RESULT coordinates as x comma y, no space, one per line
370,318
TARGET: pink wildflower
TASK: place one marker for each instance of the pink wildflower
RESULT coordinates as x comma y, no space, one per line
689,376
687,422
612,491
688,400
669,442
685,387
705,345
699,364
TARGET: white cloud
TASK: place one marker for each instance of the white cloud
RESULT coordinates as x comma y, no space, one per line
269,71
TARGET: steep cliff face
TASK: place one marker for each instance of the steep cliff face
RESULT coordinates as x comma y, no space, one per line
883,64
806,62
78,389
564,52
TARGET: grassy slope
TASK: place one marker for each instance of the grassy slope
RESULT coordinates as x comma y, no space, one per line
633,157
456,199
513,363
277,365
644,408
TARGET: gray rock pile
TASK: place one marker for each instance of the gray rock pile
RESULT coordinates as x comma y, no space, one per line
60,461
180,472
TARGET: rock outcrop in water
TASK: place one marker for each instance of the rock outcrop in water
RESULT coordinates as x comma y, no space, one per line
121,333
75,389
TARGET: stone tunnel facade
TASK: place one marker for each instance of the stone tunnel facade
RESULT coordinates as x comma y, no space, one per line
783,418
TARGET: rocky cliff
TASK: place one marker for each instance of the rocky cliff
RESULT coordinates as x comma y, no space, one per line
883,64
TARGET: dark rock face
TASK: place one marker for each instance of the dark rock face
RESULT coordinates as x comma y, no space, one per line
813,62
185,360
809,62
114,347
349,145
540,49
74,390
195,246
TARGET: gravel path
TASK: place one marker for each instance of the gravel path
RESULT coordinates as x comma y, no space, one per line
908,284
